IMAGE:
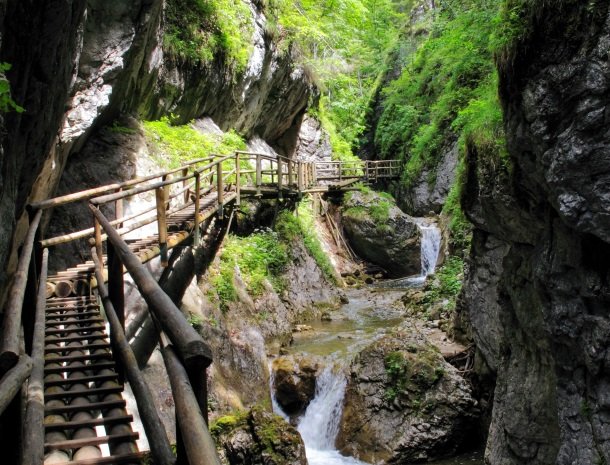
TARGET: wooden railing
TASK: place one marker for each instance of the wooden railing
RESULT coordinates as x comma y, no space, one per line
221,180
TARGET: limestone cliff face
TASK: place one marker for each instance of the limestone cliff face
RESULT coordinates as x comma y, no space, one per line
90,61
538,289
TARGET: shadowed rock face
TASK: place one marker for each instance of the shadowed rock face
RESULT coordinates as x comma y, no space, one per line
381,233
538,287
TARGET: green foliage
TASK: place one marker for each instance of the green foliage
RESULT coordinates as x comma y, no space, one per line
377,209
6,102
411,372
344,44
227,423
259,257
302,226
199,30
175,145
448,89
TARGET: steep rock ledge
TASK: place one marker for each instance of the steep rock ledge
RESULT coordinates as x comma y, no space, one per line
537,292
99,59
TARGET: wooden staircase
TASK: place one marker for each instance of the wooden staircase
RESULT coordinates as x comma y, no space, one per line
83,392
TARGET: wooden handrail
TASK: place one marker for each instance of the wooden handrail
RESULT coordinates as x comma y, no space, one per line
9,347
191,347
97,191
155,432
33,444
13,379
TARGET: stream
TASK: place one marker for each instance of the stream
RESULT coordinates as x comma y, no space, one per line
366,317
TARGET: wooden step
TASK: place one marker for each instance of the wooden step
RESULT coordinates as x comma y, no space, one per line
75,330
76,321
134,457
94,346
94,441
109,365
72,308
78,358
82,379
83,393
108,421
91,406
84,337
83,313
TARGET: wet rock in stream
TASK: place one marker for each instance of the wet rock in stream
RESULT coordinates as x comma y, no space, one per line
404,403
294,381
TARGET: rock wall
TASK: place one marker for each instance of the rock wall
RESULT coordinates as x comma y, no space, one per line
91,61
537,292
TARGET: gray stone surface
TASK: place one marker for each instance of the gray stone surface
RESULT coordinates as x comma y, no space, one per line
260,438
538,287
404,403
294,381
313,143
392,243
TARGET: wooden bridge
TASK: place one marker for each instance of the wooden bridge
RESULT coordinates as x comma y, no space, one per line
55,347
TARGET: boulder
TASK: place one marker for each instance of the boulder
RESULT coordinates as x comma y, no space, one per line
404,403
257,437
294,381
381,233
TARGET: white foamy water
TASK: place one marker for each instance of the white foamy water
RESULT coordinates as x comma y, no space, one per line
320,423
430,247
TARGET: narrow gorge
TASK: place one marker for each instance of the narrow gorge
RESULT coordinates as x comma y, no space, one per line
280,232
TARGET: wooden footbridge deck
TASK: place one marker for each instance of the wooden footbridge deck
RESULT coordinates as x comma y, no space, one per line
63,343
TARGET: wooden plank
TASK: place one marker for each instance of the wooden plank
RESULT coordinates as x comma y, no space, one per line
98,366
76,321
83,393
93,441
87,423
11,323
79,358
82,379
75,330
100,345
131,458
91,406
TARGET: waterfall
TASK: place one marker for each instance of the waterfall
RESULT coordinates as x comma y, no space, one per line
430,246
319,424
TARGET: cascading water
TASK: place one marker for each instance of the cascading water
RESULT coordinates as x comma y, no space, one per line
429,249
320,423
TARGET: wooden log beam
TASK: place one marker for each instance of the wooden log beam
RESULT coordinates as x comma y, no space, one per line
33,429
198,443
9,347
155,432
191,347
11,382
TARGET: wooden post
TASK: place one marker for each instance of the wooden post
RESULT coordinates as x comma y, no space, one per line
237,180
11,382
290,174
162,224
314,175
279,178
11,324
198,442
98,240
219,189
185,183
116,292
300,176
197,206
259,176
33,440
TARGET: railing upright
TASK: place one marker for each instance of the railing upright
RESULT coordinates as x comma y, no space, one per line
237,179
160,197
219,189
197,207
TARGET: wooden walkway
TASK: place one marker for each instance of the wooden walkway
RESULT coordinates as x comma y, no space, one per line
74,370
